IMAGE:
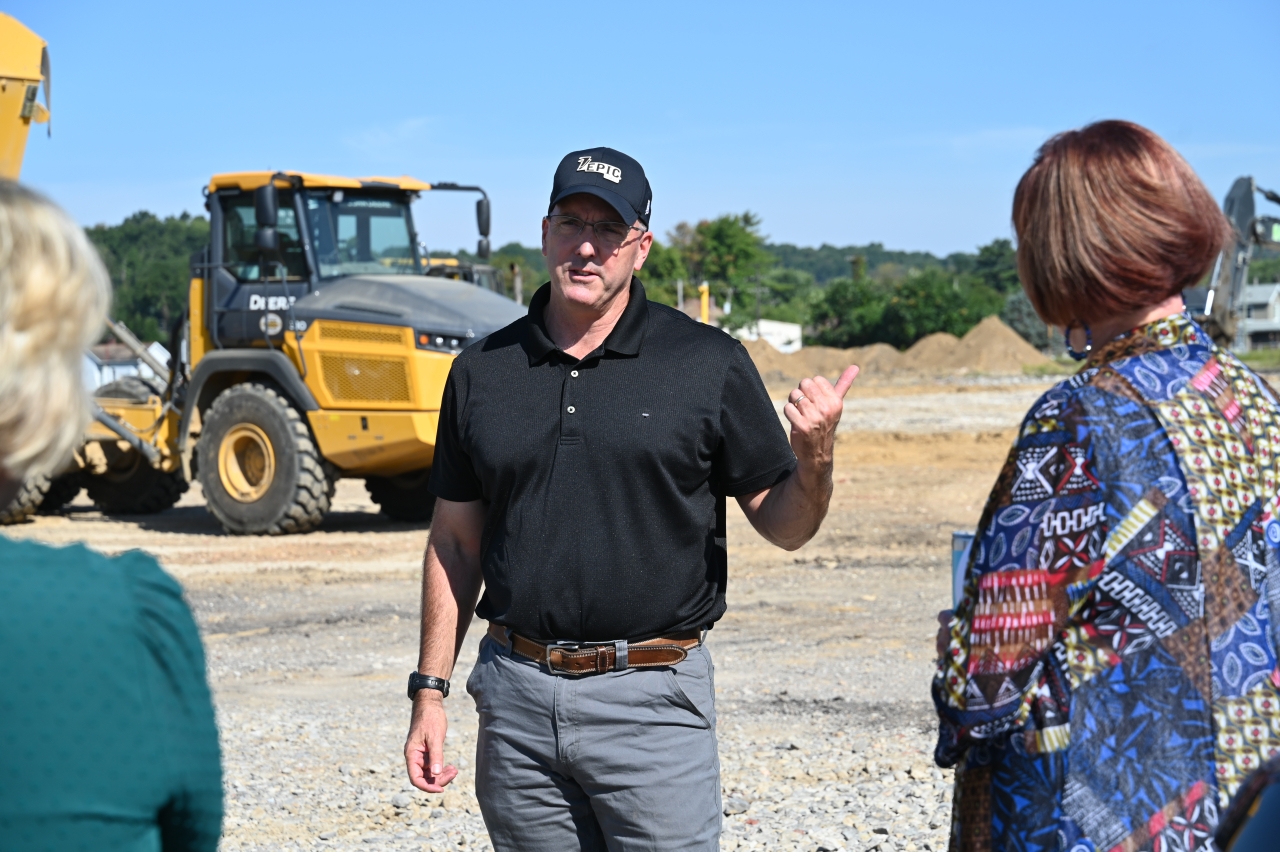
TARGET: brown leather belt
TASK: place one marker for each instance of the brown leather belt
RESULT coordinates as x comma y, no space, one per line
595,657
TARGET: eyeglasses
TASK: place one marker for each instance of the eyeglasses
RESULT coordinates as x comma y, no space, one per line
609,234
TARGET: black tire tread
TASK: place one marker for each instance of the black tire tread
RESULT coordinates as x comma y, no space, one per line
132,388
317,478
26,502
162,491
62,490
416,505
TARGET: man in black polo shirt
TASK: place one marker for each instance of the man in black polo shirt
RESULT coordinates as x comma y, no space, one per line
584,457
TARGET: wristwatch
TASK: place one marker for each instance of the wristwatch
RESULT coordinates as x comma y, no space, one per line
421,681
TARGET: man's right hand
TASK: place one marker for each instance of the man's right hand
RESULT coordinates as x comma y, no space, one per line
424,749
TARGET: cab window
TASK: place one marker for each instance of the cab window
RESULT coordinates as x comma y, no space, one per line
360,233
241,256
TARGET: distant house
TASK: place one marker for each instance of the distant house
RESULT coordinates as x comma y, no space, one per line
784,336
107,362
1260,325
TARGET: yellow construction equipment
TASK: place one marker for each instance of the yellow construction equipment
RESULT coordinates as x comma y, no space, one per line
24,68
315,346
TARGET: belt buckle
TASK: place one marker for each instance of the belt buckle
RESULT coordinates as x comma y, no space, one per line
561,646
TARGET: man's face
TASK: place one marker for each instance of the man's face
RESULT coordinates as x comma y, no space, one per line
584,272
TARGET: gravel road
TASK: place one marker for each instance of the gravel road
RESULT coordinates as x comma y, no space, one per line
823,660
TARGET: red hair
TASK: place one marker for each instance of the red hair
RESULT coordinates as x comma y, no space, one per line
1111,219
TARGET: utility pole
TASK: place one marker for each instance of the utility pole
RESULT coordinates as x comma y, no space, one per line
757,279
680,294
858,266
517,284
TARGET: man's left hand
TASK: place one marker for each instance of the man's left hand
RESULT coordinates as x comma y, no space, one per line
814,410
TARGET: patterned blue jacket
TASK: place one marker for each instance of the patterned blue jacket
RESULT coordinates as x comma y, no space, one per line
1111,676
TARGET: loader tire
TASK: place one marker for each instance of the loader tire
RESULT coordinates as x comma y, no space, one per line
134,487
259,465
404,497
132,388
130,485
62,490
26,502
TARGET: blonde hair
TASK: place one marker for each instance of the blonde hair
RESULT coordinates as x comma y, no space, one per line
54,296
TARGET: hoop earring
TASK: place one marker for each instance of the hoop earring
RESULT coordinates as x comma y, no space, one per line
1088,341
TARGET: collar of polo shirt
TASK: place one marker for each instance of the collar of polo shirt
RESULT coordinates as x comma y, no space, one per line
625,339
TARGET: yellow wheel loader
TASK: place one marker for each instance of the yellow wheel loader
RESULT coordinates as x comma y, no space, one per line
315,346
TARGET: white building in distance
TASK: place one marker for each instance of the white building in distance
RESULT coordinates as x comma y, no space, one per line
783,336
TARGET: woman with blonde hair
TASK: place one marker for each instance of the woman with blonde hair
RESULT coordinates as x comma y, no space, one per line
107,734
1109,676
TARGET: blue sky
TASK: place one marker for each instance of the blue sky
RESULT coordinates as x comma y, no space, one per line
903,123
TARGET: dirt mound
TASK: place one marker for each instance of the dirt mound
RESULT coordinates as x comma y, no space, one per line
993,347
824,360
989,347
769,360
932,354
878,358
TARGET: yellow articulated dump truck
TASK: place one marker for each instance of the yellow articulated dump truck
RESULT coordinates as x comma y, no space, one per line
315,346
24,70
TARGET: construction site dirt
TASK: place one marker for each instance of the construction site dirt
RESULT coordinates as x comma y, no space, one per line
824,658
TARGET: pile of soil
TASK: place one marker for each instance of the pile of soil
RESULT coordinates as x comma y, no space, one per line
993,347
932,354
770,361
990,347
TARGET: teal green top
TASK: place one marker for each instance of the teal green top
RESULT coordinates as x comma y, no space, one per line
107,733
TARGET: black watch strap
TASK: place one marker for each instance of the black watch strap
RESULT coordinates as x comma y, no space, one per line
421,681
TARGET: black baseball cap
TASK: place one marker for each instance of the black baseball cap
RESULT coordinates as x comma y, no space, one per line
607,174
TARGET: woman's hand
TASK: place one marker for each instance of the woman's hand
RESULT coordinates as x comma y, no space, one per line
944,630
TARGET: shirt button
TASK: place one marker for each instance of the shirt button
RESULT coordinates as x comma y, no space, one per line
574,374
571,409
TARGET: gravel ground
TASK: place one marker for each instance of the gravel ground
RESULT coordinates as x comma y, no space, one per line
823,660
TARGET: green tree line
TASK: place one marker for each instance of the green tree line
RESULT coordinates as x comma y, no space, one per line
148,259
842,295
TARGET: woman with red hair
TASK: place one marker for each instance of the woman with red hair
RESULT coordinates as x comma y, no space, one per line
1109,676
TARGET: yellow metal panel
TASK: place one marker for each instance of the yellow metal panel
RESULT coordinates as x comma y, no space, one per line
20,50
430,369
201,341
365,378
331,347
253,180
364,332
381,443
13,130
148,420
334,351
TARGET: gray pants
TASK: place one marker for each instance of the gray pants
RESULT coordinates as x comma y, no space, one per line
618,761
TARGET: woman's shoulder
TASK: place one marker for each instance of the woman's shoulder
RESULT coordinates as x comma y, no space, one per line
123,588
1145,370
40,561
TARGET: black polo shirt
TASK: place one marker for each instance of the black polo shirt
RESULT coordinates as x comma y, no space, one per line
604,480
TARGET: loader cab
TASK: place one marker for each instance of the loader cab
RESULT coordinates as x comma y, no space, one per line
240,253
319,234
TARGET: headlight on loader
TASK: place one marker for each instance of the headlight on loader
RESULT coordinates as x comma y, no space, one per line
436,342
